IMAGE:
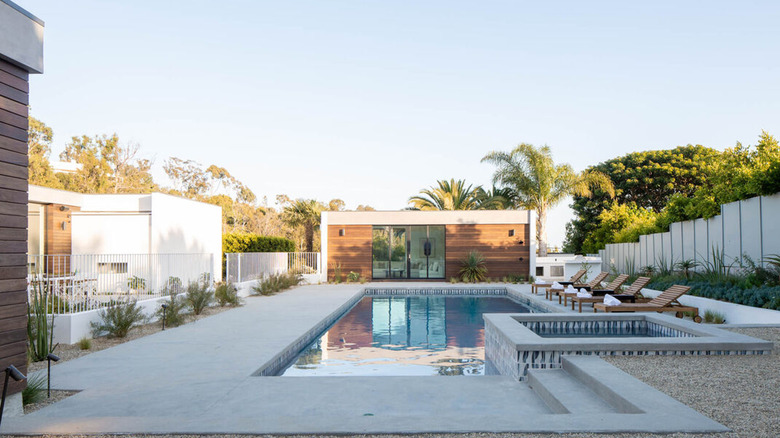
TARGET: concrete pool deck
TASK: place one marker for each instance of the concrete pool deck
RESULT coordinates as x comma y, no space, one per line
198,379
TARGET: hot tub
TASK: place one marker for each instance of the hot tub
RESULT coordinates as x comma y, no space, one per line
515,343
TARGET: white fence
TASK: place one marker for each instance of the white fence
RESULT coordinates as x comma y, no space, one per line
249,266
748,228
81,282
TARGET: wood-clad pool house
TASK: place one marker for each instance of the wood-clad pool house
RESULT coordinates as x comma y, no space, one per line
426,245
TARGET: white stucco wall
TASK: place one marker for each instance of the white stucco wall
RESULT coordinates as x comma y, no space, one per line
110,233
180,225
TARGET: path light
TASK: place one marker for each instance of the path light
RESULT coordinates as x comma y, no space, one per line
55,358
18,376
165,308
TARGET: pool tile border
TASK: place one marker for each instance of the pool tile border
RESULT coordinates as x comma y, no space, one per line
280,361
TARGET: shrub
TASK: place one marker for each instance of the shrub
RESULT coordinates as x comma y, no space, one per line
473,268
277,283
353,277
713,317
199,296
173,286
40,327
226,294
453,280
85,343
516,278
136,283
174,313
35,391
337,273
118,319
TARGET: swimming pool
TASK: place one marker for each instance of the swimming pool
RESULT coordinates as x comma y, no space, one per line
404,336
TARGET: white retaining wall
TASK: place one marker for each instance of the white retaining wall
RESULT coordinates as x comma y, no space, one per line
750,227
68,329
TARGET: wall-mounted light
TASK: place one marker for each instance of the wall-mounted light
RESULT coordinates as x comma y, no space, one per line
64,208
342,231
64,225
511,233
520,242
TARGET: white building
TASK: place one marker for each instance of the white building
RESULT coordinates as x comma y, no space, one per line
69,223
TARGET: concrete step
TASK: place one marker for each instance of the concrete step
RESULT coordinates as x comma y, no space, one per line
565,394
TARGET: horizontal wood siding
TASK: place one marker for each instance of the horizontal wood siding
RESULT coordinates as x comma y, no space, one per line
14,98
352,251
502,252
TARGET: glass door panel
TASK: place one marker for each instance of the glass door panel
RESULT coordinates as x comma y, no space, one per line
398,246
436,259
426,252
381,252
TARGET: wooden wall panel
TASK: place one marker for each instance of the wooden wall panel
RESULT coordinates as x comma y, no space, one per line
502,252
58,241
13,219
352,250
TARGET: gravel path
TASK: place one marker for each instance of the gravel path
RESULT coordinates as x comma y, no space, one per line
740,392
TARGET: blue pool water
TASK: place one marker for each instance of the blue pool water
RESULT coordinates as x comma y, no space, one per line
404,336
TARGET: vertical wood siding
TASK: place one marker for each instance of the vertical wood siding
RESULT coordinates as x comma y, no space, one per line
13,219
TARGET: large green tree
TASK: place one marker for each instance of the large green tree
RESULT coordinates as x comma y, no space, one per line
454,195
105,166
540,184
647,179
39,140
303,213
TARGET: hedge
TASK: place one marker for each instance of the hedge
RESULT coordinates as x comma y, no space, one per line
243,242
246,242
767,297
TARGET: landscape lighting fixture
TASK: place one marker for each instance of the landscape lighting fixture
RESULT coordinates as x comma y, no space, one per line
165,308
16,375
50,357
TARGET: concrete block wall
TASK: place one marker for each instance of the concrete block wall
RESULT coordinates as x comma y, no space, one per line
745,229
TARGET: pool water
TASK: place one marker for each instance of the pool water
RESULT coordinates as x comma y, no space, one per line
405,336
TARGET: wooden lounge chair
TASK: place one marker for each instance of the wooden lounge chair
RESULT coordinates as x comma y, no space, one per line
611,288
631,294
574,278
591,284
666,302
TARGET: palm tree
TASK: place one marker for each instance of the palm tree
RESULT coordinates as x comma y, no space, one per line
450,195
540,184
305,213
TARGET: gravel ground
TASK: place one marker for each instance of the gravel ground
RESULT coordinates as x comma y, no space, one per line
741,392
69,352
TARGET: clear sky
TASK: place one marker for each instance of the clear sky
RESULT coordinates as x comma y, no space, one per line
370,101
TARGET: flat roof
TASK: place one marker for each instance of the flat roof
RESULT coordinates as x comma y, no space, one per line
420,217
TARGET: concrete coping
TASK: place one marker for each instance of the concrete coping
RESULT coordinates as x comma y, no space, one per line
700,337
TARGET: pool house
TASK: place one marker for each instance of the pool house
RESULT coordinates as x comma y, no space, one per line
426,245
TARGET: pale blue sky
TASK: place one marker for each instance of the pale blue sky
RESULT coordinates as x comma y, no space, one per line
370,101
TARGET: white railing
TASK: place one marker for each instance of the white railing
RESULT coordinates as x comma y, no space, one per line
79,282
249,266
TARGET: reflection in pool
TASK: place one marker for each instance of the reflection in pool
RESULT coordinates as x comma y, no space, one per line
404,336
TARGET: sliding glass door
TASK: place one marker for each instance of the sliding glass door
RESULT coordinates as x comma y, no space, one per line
408,252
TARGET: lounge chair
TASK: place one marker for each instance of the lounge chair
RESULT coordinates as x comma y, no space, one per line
666,302
631,294
591,284
574,278
611,288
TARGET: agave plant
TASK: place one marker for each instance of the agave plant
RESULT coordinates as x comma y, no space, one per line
40,325
473,268
774,260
